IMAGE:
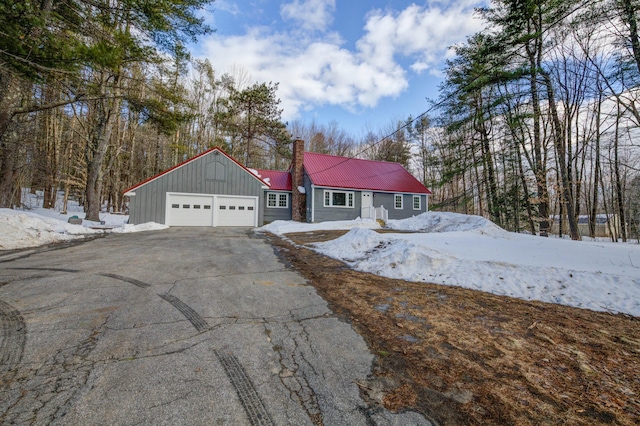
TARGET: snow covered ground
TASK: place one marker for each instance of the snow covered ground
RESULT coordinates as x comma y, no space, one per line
471,252
37,226
445,248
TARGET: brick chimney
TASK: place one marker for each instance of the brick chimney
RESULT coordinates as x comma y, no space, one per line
298,199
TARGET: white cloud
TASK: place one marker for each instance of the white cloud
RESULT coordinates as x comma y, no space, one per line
423,34
318,70
310,14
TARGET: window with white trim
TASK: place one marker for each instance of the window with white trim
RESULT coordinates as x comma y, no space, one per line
338,199
397,201
278,200
417,202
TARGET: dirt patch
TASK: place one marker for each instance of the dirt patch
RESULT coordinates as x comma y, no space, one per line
467,357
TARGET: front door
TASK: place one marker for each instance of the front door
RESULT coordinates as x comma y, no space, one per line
367,206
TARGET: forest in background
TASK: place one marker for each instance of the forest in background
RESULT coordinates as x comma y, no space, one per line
537,116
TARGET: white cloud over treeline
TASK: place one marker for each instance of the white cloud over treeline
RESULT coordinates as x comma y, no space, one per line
308,57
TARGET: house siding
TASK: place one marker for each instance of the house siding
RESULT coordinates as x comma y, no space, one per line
213,173
407,211
323,214
272,213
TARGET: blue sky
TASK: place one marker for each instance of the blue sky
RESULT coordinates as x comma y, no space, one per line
361,63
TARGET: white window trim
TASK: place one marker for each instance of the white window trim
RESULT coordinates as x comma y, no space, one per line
395,205
277,205
413,201
349,196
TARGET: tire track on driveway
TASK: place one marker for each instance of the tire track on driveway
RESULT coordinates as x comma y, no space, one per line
13,335
251,402
194,318
133,281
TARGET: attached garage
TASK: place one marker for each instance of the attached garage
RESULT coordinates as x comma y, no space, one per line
211,210
211,189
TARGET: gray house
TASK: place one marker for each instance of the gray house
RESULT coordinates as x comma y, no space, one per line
212,189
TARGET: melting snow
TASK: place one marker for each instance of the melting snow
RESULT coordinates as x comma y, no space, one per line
472,252
38,226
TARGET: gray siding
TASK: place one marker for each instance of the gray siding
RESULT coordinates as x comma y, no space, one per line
387,200
271,213
212,173
323,214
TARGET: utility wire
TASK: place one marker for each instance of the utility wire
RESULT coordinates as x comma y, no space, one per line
448,97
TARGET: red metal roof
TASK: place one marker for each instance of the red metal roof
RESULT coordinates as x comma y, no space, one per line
144,182
341,172
278,181
330,171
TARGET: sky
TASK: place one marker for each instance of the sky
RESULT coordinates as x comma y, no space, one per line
361,63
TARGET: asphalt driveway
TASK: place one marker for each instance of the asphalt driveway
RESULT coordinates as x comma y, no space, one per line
182,326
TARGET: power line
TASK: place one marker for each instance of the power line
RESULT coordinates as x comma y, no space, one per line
451,95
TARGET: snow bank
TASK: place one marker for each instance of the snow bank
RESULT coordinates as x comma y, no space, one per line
281,227
448,222
470,252
22,229
149,226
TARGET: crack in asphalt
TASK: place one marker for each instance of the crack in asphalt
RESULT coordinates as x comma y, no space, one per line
42,395
235,274
291,375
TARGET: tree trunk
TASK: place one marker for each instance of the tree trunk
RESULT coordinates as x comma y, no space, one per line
539,161
102,126
9,98
619,193
629,17
596,178
562,161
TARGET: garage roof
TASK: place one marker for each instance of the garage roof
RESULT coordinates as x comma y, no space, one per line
184,163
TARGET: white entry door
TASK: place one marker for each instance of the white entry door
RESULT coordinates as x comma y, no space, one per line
236,211
366,210
189,210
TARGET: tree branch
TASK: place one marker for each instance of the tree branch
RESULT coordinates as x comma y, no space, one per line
77,98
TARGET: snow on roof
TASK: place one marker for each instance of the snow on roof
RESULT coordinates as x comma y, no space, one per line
342,172
278,181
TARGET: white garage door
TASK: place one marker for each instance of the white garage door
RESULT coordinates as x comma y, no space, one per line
236,211
189,210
